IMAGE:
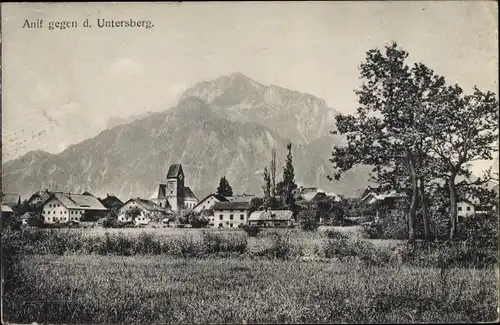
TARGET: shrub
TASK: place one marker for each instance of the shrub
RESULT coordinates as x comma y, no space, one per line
392,226
281,247
308,221
334,234
251,230
342,247
213,242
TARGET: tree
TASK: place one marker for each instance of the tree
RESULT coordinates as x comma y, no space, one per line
387,131
272,169
255,204
267,184
132,213
462,129
308,220
224,188
286,187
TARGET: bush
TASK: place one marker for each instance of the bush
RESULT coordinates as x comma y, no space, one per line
308,221
334,234
390,227
251,230
281,247
341,247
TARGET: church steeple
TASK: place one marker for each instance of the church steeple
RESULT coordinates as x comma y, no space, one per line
175,186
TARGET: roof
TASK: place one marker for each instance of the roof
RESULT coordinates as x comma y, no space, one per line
11,199
87,193
188,193
216,196
43,195
78,201
28,215
241,198
147,205
174,170
160,192
383,196
6,208
111,201
281,215
308,193
231,206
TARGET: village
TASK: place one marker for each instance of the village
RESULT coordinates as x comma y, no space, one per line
172,204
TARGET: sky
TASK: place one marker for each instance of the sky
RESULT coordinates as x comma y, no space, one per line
61,86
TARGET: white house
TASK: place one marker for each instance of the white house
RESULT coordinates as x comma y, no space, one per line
230,214
148,211
65,207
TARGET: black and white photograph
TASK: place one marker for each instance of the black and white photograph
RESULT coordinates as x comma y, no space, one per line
274,162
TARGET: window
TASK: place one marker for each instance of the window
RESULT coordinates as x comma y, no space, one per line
242,210
220,217
53,212
231,217
231,225
43,212
60,212
241,217
220,225
50,205
459,208
468,208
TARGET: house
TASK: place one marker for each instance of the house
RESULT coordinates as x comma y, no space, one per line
190,200
230,214
471,206
25,218
39,197
208,202
173,194
111,202
149,211
66,207
11,200
272,218
384,202
310,194
7,212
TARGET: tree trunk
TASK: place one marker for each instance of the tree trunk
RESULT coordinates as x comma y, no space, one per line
413,204
453,207
423,202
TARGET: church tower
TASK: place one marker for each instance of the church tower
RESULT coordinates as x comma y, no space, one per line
175,187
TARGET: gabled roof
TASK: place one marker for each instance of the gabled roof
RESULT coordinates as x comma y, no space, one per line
174,171
43,195
270,215
231,206
6,208
188,193
111,201
147,205
77,201
160,192
216,196
11,199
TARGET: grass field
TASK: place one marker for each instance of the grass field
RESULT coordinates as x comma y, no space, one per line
191,276
158,289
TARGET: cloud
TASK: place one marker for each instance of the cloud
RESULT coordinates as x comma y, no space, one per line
125,66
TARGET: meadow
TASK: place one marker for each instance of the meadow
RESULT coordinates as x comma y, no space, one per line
189,276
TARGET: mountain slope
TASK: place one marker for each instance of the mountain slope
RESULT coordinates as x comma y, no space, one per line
129,160
298,117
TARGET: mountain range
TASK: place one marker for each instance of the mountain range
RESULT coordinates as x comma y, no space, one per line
224,127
